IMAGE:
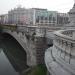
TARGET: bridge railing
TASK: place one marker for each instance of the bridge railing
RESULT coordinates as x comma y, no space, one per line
28,29
64,43
9,27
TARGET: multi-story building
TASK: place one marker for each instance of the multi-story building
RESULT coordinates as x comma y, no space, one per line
18,16
1,18
35,16
62,18
42,16
4,18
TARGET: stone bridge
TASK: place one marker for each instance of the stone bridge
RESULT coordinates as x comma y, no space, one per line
33,39
34,44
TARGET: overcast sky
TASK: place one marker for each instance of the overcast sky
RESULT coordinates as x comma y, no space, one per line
55,5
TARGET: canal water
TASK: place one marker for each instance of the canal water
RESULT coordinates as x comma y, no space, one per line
12,56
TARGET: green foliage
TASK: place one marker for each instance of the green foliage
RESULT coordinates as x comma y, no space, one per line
38,70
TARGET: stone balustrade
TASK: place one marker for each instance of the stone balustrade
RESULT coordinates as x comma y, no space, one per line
62,53
65,43
68,33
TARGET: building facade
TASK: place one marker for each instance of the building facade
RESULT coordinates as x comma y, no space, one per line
18,16
62,18
4,18
43,16
34,16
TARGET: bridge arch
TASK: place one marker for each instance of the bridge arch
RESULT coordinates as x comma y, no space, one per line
21,42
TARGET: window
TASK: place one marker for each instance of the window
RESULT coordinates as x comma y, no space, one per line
37,19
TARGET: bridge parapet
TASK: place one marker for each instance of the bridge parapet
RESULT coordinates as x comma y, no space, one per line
30,30
65,43
61,57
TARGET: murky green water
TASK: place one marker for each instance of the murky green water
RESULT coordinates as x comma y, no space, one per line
12,57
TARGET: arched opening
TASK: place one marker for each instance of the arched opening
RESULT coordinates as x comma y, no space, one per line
14,51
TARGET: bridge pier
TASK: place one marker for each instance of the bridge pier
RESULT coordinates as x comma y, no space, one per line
37,49
40,46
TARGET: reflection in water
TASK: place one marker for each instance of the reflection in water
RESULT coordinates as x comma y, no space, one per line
5,66
11,53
